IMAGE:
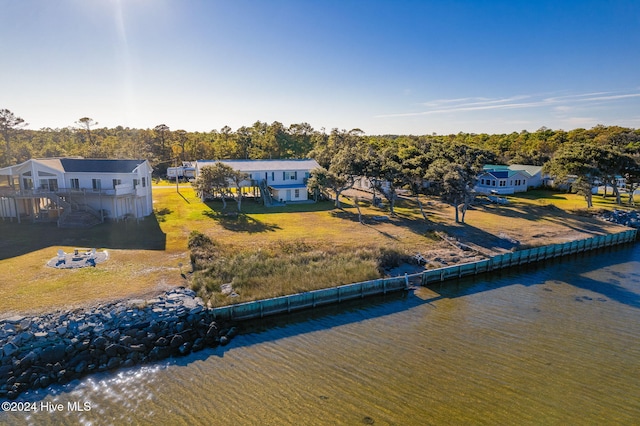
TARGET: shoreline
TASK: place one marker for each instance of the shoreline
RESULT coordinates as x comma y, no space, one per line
58,347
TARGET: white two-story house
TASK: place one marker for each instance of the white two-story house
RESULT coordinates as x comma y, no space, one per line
71,191
283,180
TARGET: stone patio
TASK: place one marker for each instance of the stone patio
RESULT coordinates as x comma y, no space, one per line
79,258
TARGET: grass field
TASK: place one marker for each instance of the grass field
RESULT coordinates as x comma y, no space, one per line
330,245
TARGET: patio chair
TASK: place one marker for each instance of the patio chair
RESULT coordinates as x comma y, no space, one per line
62,257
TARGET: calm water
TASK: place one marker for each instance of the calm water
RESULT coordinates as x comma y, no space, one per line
558,344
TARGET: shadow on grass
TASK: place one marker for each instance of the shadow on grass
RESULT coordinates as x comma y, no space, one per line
251,206
233,220
18,239
550,213
240,222
160,214
184,198
417,226
469,233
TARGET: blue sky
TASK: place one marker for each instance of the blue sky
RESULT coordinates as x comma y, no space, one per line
386,67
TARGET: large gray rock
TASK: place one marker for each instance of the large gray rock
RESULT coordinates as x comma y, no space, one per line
100,342
113,363
9,349
22,338
29,359
176,341
53,354
5,372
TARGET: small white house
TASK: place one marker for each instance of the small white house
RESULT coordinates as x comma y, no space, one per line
71,190
499,179
283,180
364,183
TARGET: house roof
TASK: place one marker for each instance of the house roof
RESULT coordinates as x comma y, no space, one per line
499,174
513,168
503,174
265,165
80,165
99,166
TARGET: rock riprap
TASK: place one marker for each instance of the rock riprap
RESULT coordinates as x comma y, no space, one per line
623,217
58,347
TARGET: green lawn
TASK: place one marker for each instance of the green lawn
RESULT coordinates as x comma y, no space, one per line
322,246
567,201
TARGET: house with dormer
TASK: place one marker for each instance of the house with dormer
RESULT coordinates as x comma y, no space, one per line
76,191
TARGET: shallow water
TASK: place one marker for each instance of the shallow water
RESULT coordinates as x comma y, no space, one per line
551,344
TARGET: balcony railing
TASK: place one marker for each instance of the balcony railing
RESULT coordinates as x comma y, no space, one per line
124,189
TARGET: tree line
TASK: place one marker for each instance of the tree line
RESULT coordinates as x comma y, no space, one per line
161,145
445,165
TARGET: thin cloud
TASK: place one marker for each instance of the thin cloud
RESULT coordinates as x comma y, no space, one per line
440,102
614,97
559,103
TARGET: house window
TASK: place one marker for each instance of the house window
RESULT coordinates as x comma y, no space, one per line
49,184
493,183
144,182
503,183
273,176
116,182
136,182
297,193
75,183
96,184
481,181
289,175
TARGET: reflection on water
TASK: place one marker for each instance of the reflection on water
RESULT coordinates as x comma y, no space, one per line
558,344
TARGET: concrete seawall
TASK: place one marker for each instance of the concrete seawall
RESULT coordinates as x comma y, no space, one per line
312,299
532,255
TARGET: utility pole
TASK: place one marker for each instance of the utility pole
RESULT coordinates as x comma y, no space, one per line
176,168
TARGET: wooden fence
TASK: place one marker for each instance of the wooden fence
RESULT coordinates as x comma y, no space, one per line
311,299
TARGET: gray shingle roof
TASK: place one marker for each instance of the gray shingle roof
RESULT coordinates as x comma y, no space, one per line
80,165
264,165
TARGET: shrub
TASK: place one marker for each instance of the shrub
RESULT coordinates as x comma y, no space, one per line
203,250
391,258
